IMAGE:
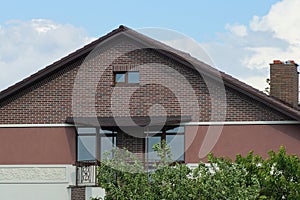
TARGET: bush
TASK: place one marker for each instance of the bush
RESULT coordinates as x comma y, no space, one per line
224,179
278,177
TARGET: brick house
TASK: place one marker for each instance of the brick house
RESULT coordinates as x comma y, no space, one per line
128,90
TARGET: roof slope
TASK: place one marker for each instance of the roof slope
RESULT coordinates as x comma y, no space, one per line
180,56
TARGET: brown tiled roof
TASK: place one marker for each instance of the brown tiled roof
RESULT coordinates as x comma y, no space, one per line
179,56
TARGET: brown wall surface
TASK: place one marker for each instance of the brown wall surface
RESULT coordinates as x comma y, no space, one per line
37,146
240,139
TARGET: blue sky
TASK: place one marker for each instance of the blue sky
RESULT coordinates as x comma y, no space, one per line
242,37
198,19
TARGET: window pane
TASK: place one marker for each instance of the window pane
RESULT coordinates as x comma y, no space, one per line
86,131
86,148
178,129
133,77
176,143
107,144
151,131
152,156
120,78
101,131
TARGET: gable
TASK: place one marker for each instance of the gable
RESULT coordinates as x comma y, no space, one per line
168,86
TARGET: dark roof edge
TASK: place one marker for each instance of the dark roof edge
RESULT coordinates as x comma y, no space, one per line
56,65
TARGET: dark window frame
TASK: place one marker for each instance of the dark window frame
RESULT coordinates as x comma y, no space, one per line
163,136
127,81
98,139
99,135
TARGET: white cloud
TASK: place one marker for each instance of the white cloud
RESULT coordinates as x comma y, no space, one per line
262,56
257,82
246,50
27,46
192,47
237,29
282,21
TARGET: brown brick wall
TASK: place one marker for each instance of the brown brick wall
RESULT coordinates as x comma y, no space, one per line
78,193
163,83
284,83
132,143
46,102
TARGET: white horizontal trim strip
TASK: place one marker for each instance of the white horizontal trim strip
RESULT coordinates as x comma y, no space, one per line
34,125
240,123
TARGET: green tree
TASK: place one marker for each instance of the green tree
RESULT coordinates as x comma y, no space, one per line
278,177
123,177
224,179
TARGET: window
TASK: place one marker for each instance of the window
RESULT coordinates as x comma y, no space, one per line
127,77
94,142
86,144
133,77
174,137
107,142
120,77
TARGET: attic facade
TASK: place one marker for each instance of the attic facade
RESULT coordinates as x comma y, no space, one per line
88,85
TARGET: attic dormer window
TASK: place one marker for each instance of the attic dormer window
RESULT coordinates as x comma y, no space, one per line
126,77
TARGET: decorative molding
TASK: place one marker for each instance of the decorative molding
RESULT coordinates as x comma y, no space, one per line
30,174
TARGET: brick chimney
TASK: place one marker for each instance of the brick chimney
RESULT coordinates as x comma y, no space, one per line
284,81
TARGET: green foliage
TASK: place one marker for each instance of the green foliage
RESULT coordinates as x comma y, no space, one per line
123,177
267,89
171,182
164,153
224,179
279,175
96,198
